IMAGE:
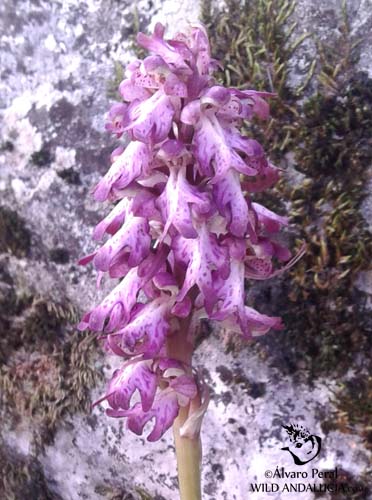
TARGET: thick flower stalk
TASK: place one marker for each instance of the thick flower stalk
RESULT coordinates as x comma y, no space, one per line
183,235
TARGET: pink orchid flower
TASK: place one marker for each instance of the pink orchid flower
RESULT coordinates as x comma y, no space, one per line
185,232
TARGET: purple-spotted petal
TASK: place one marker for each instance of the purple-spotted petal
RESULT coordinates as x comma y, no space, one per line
182,308
112,222
164,410
176,202
270,220
117,119
185,386
131,164
174,86
230,293
151,119
253,323
204,258
123,296
125,381
132,238
231,203
157,45
147,329
131,91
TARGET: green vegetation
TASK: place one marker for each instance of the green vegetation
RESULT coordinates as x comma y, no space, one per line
47,369
328,132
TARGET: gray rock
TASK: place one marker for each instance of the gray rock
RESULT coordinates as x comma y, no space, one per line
56,60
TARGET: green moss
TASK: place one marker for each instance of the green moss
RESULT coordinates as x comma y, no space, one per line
353,413
329,133
348,486
113,84
256,51
333,151
14,235
47,368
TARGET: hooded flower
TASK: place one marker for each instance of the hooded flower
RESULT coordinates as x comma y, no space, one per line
185,232
132,163
161,404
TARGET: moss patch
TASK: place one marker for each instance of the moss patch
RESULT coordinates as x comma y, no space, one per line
47,369
112,91
330,136
353,413
349,487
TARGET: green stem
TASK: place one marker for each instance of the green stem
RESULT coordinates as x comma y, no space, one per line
188,450
188,453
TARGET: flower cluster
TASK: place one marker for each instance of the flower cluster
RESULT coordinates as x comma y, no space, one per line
184,233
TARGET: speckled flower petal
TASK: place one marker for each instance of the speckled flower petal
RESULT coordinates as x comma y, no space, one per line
132,238
215,96
146,331
131,164
191,113
112,222
117,119
185,386
176,201
230,293
231,203
211,148
125,381
174,86
157,45
253,323
164,410
183,308
258,268
131,91
256,100
123,296
261,268
270,220
204,258
268,176
153,262
199,45
151,119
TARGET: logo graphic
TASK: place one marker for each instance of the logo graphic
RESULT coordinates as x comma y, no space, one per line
304,446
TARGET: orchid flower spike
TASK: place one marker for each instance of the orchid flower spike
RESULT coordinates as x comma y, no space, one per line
184,233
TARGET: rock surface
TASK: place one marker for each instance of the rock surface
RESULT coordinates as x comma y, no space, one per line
56,61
